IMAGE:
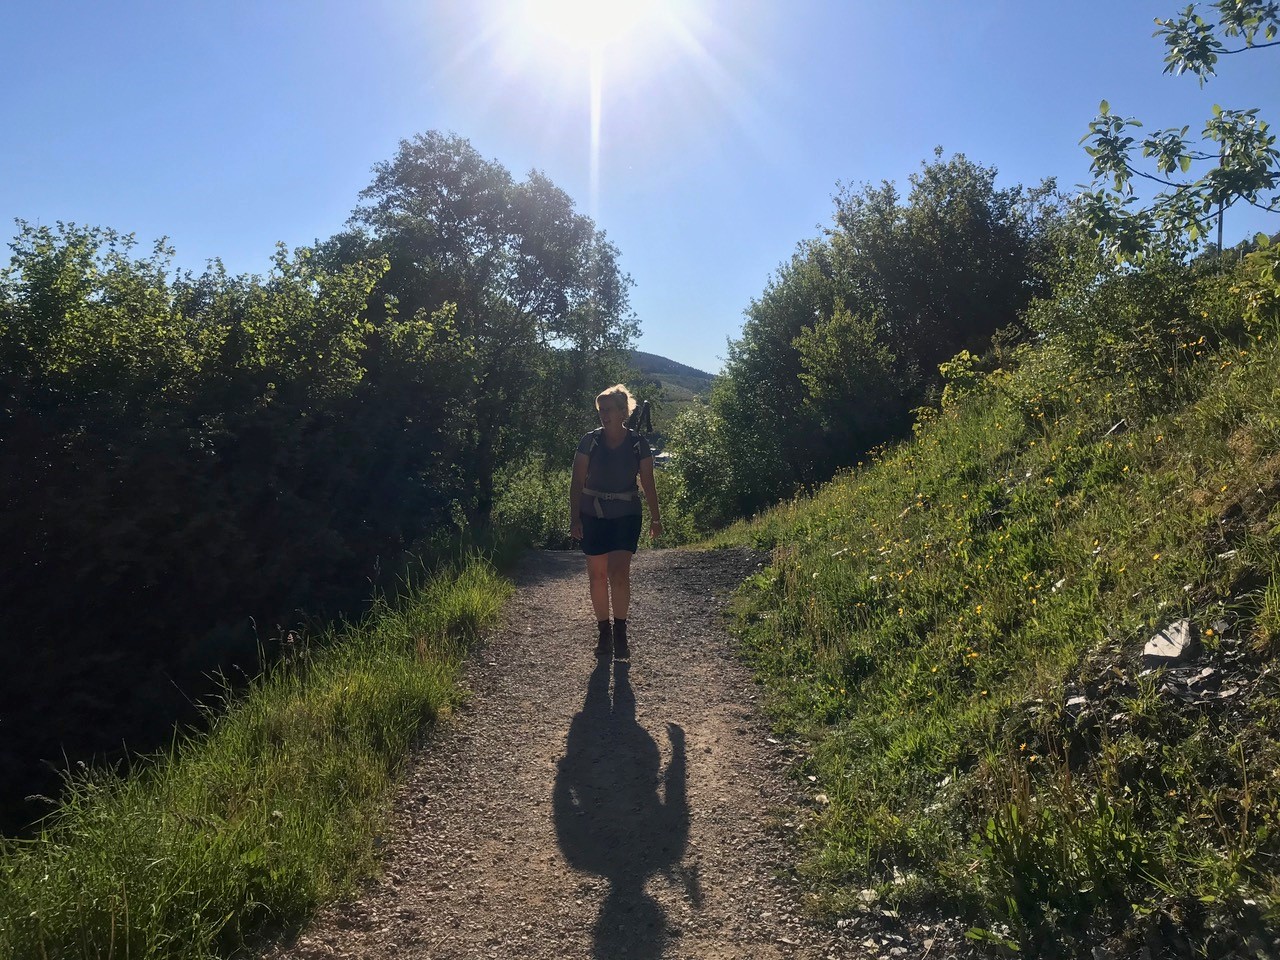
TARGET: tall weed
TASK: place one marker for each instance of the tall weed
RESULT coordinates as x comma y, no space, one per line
244,830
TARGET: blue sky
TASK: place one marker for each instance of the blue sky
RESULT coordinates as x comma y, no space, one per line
230,126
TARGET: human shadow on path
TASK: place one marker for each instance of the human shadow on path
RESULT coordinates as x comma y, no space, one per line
610,819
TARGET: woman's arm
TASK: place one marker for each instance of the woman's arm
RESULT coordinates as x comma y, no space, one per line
651,497
575,494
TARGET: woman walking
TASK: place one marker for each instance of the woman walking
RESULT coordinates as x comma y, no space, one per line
604,504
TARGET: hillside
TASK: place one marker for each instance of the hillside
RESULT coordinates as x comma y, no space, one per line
682,381
962,635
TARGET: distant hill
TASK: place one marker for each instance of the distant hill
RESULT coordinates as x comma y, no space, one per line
679,377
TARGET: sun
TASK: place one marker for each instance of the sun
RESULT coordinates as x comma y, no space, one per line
591,26
578,51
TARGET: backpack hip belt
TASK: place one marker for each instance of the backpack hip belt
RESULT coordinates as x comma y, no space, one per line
599,495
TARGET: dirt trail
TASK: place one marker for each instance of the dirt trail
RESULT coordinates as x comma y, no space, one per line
579,810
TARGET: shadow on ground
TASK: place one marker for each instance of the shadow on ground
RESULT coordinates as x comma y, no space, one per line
611,819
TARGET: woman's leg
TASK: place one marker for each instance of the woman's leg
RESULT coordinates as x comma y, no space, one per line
598,568
619,567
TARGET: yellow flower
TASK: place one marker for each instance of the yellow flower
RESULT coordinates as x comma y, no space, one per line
1155,556
978,608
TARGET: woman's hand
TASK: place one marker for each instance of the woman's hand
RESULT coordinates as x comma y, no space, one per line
575,528
655,529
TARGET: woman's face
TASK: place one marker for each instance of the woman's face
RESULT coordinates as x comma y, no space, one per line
611,415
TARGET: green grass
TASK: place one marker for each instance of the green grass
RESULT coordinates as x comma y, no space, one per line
242,831
927,617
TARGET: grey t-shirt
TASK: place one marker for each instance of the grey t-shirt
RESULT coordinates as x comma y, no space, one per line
613,471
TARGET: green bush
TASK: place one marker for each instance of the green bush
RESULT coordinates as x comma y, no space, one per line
532,505
532,508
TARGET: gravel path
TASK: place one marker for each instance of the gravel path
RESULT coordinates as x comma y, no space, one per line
584,810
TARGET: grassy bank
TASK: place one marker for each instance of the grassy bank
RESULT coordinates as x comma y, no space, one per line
277,808
956,631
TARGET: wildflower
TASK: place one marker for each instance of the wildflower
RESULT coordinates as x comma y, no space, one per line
1155,556
978,608
1224,489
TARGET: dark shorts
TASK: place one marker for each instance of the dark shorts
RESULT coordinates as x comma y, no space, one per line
606,535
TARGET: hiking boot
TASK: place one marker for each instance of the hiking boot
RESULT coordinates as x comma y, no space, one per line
604,645
620,649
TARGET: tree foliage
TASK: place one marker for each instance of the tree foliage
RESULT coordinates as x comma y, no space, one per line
188,455
847,336
1237,155
540,302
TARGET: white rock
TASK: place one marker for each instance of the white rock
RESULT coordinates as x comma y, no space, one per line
1175,643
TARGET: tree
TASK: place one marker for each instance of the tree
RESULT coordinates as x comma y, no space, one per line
848,334
851,378
540,303
1239,147
947,268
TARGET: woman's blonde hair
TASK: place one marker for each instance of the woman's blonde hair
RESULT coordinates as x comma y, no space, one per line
619,396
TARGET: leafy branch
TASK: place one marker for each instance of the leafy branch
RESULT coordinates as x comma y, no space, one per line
1245,162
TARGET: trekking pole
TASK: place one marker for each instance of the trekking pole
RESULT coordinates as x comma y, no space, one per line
640,420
